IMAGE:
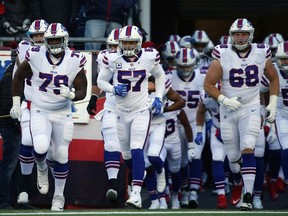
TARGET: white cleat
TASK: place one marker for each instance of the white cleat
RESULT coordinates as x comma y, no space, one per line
134,201
257,203
175,201
58,203
184,199
155,204
163,203
42,181
22,198
161,181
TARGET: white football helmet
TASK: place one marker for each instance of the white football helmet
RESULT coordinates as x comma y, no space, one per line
185,42
38,26
170,49
185,61
241,25
112,39
56,31
200,41
130,33
225,39
175,37
282,53
273,43
278,36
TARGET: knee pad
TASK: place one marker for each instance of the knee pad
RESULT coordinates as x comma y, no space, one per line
61,154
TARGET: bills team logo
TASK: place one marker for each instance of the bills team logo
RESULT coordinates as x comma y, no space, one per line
118,65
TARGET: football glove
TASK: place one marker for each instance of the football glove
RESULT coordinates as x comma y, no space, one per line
15,111
271,108
120,90
199,138
9,29
92,105
231,103
66,92
156,106
25,26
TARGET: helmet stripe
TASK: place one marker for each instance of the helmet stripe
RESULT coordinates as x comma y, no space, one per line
116,34
128,31
53,28
240,23
173,49
200,35
37,24
185,55
286,47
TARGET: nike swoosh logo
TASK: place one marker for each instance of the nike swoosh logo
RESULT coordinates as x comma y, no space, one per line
253,110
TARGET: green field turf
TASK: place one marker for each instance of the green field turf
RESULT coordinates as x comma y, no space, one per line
129,212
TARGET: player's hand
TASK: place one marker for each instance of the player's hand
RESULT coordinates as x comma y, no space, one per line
191,151
231,103
271,137
199,138
9,29
15,111
25,25
66,92
156,106
120,90
92,105
271,108
218,135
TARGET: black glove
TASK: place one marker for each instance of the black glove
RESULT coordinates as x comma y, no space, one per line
25,26
92,105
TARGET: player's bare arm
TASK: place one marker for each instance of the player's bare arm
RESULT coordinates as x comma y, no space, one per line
24,71
187,127
174,96
213,75
200,114
80,85
271,73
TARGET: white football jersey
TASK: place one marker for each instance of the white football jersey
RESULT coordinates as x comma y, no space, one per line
134,74
23,46
189,90
172,130
282,102
109,103
47,77
241,76
212,106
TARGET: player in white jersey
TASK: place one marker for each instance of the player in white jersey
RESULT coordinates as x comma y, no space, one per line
35,33
53,69
154,144
108,126
188,82
240,66
130,66
281,58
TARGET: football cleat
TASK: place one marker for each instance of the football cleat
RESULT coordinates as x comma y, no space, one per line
175,201
247,202
111,195
155,204
193,202
22,198
42,180
58,203
134,201
236,194
184,199
222,202
257,203
161,181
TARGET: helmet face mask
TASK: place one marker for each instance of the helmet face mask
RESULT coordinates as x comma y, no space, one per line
56,38
130,40
240,26
282,57
200,41
36,32
185,61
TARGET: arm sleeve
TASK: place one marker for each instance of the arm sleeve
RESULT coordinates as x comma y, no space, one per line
159,75
103,79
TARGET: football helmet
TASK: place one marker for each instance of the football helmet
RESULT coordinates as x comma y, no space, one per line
170,49
56,31
38,26
278,36
225,39
241,25
282,53
200,41
127,34
273,43
185,41
175,37
185,61
112,39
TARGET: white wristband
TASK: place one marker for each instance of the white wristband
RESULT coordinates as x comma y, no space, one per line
16,100
273,100
221,98
190,145
199,128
